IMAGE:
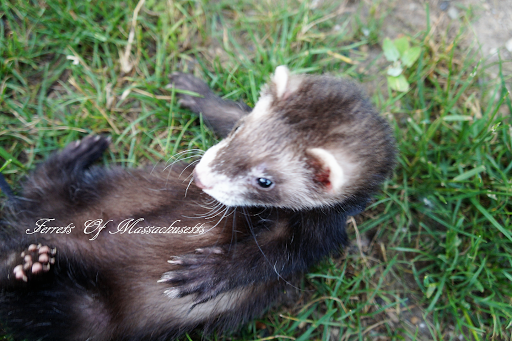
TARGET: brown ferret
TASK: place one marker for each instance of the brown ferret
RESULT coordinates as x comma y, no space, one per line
94,253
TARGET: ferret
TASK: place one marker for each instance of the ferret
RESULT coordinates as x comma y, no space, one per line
95,253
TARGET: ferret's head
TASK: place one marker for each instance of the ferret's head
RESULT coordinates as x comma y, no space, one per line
310,141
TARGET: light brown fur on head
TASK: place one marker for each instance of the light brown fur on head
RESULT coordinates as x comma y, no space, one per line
316,138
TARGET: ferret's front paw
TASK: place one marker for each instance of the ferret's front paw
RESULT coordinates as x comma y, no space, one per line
200,273
185,81
35,260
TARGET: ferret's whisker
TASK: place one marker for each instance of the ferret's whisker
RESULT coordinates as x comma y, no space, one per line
224,216
179,160
191,164
177,155
211,212
186,189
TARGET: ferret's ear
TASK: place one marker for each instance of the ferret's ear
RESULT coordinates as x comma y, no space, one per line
285,85
327,171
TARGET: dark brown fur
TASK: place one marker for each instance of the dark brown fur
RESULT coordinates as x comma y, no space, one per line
107,289
323,111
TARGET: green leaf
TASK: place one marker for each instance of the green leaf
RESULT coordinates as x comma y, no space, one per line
4,154
4,166
390,50
402,45
441,198
398,83
451,118
478,286
395,71
470,173
411,55
322,321
430,290
491,218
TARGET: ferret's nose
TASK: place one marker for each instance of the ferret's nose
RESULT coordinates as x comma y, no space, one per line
198,182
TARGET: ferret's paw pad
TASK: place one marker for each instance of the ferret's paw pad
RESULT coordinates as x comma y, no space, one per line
35,260
201,273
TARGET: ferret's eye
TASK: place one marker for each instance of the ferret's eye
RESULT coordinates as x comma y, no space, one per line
264,183
238,126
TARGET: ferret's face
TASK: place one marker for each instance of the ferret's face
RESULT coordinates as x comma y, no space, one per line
268,161
238,173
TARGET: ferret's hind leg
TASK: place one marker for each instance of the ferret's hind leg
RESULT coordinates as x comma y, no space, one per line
46,299
73,159
61,305
64,179
78,155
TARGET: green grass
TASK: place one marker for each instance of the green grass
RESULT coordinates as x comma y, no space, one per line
431,258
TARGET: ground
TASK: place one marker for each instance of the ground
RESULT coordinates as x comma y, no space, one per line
490,21
430,259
